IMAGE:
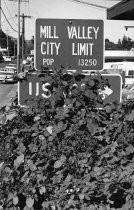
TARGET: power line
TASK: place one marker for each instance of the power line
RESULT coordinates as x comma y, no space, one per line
114,0
14,8
7,20
89,4
18,40
9,12
29,9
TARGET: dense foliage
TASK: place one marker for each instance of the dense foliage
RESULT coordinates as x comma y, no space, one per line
64,153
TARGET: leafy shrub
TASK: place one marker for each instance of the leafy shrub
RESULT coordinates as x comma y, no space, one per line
64,153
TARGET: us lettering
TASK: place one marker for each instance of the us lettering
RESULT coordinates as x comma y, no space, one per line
44,87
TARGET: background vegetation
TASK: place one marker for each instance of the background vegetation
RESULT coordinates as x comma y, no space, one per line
64,152
125,43
12,44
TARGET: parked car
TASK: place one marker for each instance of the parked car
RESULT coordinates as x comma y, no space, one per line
11,67
8,74
6,58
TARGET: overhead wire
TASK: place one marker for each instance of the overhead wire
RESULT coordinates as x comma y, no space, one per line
114,0
123,1
89,4
9,12
97,5
29,10
25,7
14,7
8,20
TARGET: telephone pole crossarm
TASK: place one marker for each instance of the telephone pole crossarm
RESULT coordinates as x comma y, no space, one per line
23,33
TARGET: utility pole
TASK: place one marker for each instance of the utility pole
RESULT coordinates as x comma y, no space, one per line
23,34
18,40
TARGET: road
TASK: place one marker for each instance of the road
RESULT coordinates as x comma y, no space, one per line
7,91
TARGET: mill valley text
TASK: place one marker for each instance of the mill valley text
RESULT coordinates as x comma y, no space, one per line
82,38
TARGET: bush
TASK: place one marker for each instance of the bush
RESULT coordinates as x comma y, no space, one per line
64,153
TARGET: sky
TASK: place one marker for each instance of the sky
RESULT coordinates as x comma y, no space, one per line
63,9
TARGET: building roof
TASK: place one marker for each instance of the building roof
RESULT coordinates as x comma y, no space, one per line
123,10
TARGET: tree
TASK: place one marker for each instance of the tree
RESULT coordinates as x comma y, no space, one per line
3,39
3,42
119,44
109,45
126,43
